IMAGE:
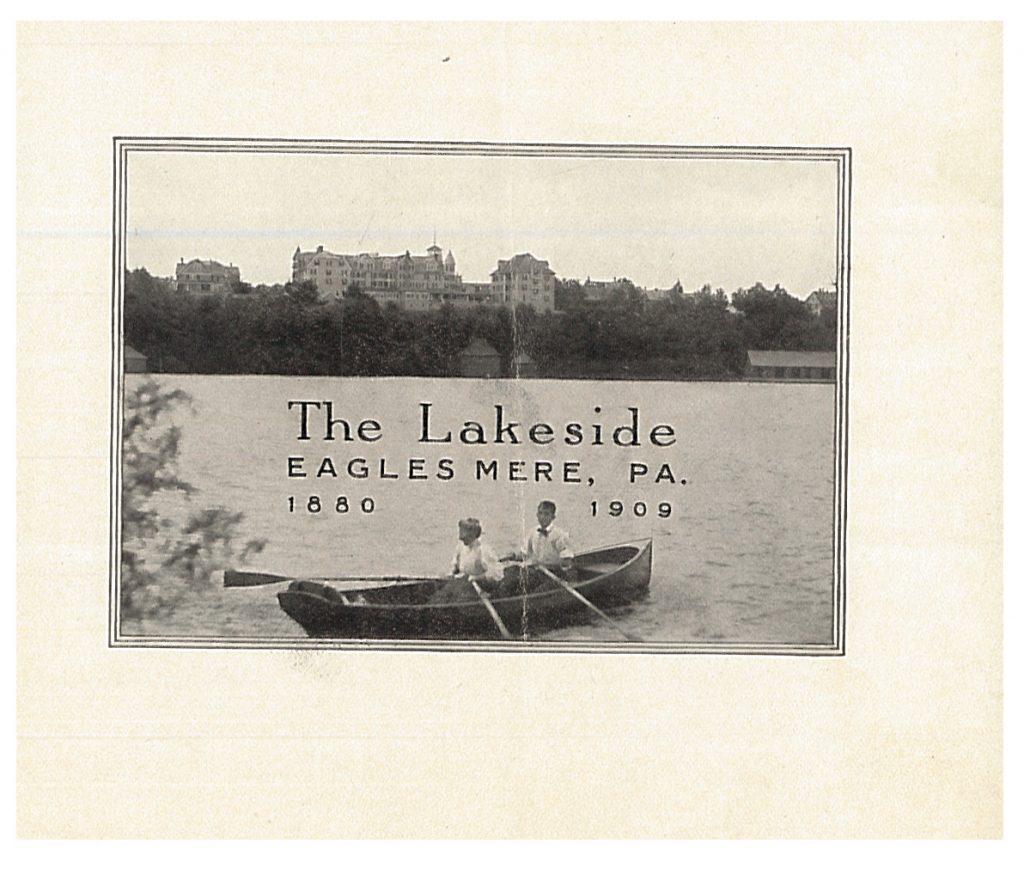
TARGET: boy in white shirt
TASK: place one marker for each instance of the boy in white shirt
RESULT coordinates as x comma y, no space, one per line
548,544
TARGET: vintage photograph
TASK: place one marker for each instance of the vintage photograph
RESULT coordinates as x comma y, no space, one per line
469,395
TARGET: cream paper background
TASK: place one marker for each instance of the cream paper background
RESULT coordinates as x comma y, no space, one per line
900,738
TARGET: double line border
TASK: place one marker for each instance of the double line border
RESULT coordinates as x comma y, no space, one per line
840,157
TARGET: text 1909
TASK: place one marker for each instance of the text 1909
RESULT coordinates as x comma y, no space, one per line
636,508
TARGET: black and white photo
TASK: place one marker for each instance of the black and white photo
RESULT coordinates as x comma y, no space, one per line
336,354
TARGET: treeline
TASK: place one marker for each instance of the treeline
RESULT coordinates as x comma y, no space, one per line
766,319
774,320
283,329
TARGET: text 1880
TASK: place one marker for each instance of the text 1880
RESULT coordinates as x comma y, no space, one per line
341,504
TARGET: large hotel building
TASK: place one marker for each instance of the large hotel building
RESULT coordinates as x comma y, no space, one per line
426,282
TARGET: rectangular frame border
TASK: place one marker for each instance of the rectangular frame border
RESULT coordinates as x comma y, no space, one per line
123,145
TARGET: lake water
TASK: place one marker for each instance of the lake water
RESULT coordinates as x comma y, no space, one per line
745,556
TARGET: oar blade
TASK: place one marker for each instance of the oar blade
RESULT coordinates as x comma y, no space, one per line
234,578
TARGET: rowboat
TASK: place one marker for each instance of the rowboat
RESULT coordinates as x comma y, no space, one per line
529,599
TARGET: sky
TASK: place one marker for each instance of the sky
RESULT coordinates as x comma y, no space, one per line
725,222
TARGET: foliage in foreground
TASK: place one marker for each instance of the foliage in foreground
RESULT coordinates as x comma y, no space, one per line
169,545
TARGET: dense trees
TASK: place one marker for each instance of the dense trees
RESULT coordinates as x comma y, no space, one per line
284,329
772,319
627,336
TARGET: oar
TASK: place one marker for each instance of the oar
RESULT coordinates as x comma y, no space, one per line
588,603
505,634
234,578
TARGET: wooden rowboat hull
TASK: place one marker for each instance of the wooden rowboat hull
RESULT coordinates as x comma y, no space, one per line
528,602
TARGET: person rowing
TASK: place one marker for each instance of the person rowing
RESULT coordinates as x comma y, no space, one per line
474,561
548,544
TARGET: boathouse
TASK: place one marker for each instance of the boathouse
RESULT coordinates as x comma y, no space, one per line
791,366
134,361
480,360
523,366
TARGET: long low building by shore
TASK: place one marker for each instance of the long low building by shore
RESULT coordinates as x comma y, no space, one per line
791,366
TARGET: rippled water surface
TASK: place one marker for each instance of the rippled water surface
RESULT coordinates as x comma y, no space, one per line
744,557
